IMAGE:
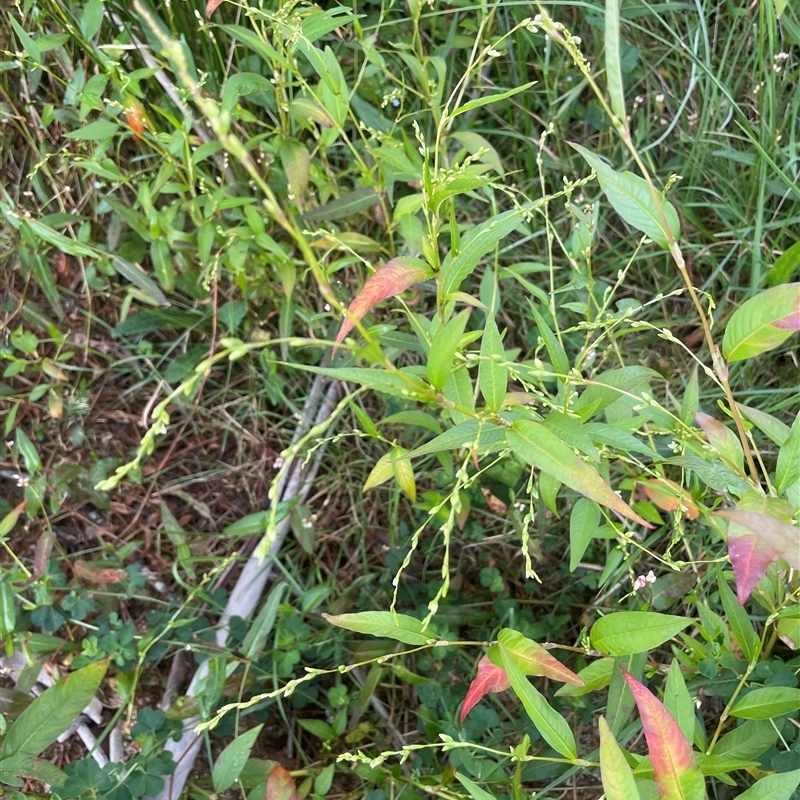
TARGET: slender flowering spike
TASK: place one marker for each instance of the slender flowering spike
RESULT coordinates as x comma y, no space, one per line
489,680
676,772
389,280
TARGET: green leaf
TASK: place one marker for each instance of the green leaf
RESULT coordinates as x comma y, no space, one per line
463,434
612,384
345,206
770,426
787,471
241,84
678,701
261,48
457,265
27,449
767,702
296,162
762,323
773,787
531,657
749,740
626,632
441,358
583,522
616,774
784,268
595,676
96,131
555,351
231,760
553,727
490,98
492,373
400,627
474,790
739,620
536,445
50,714
632,199
458,389
613,66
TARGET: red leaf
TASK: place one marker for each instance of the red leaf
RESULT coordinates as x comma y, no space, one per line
280,785
389,280
489,680
212,6
533,659
754,542
673,761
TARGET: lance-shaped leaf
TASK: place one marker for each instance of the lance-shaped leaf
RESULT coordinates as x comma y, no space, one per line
632,198
722,439
754,542
389,280
280,785
676,772
400,627
531,657
762,322
541,448
615,772
669,496
489,680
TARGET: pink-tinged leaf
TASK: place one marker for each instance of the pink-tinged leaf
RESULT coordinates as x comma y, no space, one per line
280,785
211,7
754,542
532,658
722,439
676,772
489,680
388,281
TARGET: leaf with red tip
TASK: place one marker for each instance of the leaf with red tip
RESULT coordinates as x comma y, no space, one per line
676,772
669,496
722,440
280,785
389,280
532,658
489,680
212,6
754,542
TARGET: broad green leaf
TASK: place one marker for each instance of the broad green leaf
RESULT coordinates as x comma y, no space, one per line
770,426
457,265
595,676
551,725
475,791
678,701
441,358
257,45
749,740
492,372
762,323
490,98
241,84
463,434
612,384
773,787
391,279
788,467
319,23
613,67
739,620
784,268
345,206
303,109
296,163
676,772
458,389
620,699
8,608
540,448
452,186
399,384
632,199
719,765
767,702
531,657
400,627
231,760
583,522
615,772
161,258
50,714
394,464
95,131
490,679
626,632
27,449
602,433
571,432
